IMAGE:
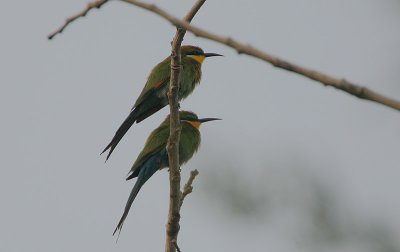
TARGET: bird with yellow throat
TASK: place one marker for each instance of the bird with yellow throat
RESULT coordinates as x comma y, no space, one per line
154,155
154,94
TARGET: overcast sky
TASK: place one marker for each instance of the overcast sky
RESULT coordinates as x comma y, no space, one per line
293,165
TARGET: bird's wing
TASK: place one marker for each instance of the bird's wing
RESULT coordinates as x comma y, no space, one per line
157,80
156,142
150,90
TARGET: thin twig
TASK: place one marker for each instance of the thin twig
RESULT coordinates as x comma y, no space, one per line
342,84
172,227
96,4
188,188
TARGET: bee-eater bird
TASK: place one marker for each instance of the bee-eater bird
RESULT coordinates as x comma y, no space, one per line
154,155
154,94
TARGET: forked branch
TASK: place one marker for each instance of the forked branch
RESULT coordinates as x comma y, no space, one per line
327,80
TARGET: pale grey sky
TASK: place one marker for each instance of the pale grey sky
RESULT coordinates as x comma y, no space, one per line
293,166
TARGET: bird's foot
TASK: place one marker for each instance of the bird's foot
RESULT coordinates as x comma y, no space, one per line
178,168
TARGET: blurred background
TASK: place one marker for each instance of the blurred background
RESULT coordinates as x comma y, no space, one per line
293,166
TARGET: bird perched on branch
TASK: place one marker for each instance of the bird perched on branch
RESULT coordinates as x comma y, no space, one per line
154,94
154,155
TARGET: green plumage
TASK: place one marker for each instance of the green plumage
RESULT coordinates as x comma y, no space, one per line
154,94
154,155
157,141
158,80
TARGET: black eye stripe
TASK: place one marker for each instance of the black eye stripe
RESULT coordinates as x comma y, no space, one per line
189,120
195,53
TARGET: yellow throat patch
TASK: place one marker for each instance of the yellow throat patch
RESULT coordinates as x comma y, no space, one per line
194,124
198,58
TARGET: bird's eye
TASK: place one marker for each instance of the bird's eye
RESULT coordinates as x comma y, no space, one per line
195,53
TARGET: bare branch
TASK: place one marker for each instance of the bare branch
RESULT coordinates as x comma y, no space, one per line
174,137
96,4
342,84
188,188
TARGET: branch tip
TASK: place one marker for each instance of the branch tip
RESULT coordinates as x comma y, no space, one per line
96,4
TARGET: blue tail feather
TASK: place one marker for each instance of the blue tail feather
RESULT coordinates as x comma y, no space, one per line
146,171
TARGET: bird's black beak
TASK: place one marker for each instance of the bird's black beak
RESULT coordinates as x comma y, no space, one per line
212,54
203,120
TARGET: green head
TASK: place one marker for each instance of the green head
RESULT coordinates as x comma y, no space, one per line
191,118
196,53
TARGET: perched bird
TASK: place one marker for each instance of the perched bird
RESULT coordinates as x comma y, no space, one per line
154,94
154,155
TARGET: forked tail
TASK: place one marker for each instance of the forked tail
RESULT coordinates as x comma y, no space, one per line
120,133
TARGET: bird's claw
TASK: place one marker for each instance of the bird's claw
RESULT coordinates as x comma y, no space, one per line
178,169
